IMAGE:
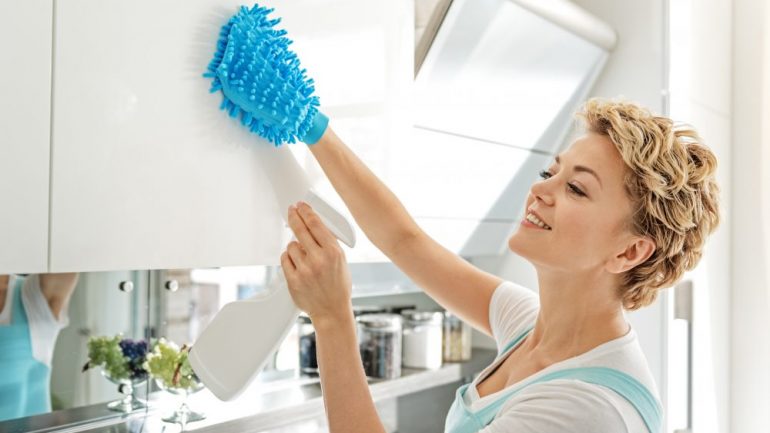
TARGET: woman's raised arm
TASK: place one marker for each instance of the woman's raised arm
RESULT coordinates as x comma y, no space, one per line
453,282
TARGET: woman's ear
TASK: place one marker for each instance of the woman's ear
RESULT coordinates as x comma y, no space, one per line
636,252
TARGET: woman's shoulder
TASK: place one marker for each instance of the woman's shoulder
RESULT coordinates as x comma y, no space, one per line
596,400
567,405
512,311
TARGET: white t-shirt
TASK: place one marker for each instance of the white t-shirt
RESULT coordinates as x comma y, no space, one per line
43,326
562,405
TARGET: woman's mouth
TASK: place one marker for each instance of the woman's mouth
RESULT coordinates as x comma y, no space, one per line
534,222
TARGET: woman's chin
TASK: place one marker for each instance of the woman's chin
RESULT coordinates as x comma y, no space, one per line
523,245
515,245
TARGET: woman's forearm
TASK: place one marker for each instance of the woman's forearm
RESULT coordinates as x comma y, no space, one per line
348,402
375,208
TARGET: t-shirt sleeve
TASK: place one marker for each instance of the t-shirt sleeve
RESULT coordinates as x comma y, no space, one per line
560,406
43,326
512,310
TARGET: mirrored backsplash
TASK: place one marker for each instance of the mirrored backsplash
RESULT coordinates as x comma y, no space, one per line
47,321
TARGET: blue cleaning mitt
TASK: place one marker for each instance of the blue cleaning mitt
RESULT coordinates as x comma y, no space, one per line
261,80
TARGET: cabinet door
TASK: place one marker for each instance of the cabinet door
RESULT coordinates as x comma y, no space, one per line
147,171
25,114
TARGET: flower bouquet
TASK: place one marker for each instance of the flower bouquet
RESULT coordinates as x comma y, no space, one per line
170,367
122,362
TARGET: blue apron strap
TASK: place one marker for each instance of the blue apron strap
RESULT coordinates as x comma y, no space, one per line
623,384
515,341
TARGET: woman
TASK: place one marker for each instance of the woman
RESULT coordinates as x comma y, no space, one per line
622,213
33,309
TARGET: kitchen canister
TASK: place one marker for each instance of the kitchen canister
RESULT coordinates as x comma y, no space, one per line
308,361
422,342
379,340
457,339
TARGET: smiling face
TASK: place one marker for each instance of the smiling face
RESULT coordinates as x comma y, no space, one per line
588,215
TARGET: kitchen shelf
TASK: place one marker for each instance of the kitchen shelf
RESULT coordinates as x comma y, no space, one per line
263,405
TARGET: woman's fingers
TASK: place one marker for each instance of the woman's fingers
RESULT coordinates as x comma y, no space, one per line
320,233
301,230
296,254
286,264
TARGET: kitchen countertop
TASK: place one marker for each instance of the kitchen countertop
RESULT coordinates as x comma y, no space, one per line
263,405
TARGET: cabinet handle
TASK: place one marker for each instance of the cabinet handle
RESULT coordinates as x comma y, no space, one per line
126,286
171,285
683,309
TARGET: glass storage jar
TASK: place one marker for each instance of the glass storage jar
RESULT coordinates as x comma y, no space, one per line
379,340
457,339
422,342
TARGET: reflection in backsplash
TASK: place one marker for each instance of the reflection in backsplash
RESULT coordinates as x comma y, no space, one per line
45,322
198,294
33,310
104,304
43,358
193,296
175,305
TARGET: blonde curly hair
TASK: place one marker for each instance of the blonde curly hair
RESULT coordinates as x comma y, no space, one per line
671,183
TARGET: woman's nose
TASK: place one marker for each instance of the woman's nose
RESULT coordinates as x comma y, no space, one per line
542,190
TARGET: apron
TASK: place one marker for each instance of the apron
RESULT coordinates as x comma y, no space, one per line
461,419
24,381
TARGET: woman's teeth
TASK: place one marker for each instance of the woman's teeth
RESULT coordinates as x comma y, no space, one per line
534,220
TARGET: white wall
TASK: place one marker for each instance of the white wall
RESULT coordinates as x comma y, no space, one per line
701,35
750,354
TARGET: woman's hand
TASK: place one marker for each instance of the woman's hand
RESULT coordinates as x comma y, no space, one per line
315,267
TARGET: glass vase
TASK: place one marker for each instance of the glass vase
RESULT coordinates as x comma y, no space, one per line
183,414
130,402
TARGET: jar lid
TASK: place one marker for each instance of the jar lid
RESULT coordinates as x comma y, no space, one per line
397,309
422,316
384,321
367,309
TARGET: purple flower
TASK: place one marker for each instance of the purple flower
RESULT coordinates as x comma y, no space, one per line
135,351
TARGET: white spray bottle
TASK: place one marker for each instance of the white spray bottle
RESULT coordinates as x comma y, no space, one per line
235,346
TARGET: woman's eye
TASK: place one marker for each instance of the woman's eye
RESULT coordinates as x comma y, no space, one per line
572,188
576,190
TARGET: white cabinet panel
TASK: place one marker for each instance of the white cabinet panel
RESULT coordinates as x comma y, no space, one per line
148,173
25,110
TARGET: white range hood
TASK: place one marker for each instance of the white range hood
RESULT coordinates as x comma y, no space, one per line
502,78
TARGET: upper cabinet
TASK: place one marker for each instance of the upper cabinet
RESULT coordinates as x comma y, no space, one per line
148,172
25,110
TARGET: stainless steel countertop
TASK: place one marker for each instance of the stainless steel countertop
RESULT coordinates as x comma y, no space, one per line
263,406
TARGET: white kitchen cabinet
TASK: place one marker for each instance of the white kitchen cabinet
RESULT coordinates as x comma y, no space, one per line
25,110
147,171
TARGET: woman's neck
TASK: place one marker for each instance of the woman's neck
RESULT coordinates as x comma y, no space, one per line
576,315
